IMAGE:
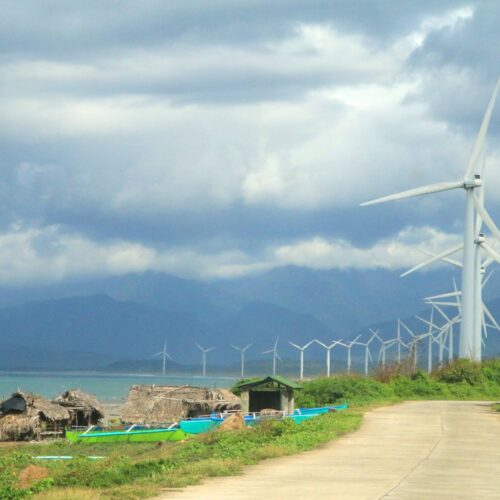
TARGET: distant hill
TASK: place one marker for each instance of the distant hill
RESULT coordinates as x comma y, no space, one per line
116,322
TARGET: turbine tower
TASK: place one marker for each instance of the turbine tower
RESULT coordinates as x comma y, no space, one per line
301,349
204,357
349,345
165,355
470,182
328,349
242,351
275,354
368,354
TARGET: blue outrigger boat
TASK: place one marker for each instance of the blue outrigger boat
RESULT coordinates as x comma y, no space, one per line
200,425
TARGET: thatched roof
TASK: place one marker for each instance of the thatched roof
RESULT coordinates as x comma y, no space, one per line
22,414
161,404
75,399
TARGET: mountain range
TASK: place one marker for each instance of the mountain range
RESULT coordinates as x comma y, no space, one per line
118,321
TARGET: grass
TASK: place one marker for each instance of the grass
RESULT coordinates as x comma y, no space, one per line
140,470
460,380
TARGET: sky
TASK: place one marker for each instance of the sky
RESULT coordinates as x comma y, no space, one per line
215,140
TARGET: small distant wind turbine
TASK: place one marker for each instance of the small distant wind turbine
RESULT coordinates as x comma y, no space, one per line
242,351
165,355
204,357
328,349
349,345
301,349
368,354
275,355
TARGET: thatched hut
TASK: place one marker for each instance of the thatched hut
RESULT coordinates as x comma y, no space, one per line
151,404
83,408
26,416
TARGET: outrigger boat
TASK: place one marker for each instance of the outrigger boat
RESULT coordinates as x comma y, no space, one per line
190,426
133,434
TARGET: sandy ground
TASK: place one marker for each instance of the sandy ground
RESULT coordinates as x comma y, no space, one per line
415,450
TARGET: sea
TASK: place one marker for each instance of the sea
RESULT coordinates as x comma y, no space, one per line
108,388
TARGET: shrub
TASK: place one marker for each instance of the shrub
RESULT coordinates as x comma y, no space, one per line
460,370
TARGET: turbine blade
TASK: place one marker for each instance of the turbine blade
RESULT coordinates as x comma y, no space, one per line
439,303
490,252
446,253
294,345
486,218
410,193
444,295
478,145
453,262
490,316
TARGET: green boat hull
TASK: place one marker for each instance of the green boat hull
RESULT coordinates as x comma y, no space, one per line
139,436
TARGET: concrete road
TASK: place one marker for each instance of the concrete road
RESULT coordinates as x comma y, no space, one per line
415,450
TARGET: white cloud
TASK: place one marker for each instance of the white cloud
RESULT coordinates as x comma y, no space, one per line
30,255
404,251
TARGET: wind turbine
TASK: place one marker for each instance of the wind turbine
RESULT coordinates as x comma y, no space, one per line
470,182
328,349
275,355
204,357
242,351
349,345
368,354
165,355
301,349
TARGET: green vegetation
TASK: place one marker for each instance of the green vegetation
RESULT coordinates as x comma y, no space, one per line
137,470
461,379
142,469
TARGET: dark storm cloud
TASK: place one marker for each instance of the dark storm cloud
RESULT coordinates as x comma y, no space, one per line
55,28
461,64
221,125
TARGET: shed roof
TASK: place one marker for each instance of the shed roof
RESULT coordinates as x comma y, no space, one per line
248,384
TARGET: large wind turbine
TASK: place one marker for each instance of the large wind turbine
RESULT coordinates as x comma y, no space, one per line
165,355
470,182
301,349
276,356
242,351
204,357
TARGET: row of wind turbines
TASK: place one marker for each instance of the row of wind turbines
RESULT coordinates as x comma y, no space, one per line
439,329
479,250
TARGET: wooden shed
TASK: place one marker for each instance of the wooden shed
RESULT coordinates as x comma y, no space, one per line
83,408
26,416
153,404
271,392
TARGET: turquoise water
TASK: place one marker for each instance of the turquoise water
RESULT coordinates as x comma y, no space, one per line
106,387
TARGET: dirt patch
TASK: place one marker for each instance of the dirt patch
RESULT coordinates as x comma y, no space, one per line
31,475
233,423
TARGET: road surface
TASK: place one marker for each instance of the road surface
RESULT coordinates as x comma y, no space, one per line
414,450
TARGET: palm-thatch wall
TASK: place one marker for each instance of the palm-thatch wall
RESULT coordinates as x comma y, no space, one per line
151,404
28,416
83,408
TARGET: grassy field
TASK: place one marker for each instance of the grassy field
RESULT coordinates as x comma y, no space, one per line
139,470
